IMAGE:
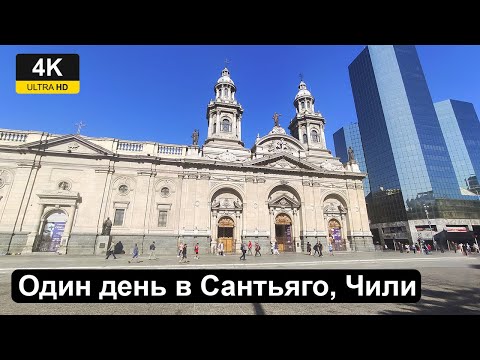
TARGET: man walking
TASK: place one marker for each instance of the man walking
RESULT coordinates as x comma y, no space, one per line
111,250
135,254
243,247
250,247
152,251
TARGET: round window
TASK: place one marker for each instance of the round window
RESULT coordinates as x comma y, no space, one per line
123,189
165,191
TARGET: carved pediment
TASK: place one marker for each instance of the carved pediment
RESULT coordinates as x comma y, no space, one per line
69,144
284,201
282,161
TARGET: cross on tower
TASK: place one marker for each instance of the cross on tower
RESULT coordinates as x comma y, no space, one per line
79,126
300,76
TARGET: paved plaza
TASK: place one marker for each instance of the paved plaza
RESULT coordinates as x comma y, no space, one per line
450,283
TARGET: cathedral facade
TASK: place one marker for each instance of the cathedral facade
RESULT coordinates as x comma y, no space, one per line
57,191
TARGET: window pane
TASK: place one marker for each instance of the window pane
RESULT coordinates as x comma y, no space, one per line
119,213
162,219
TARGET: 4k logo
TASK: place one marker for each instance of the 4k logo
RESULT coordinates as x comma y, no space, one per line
48,74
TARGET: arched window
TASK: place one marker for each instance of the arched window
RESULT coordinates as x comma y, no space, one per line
314,136
304,138
214,128
303,105
308,104
226,126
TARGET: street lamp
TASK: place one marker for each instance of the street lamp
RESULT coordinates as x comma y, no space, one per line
429,224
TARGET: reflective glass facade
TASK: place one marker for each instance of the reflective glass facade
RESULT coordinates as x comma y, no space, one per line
405,151
461,130
349,135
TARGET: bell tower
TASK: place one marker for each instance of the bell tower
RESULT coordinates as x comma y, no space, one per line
224,114
307,126
224,119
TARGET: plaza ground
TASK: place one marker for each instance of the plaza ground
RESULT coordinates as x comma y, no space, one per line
450,283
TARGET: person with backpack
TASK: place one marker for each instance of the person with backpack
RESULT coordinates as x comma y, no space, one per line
315,249
257,249
152,251
320,248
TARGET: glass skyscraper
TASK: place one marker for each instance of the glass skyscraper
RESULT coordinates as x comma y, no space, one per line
410,170
349,135
461,130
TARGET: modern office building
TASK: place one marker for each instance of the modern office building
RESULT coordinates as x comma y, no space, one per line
461,130
414,191
349,136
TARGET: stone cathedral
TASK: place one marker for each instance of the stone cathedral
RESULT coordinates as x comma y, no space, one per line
57,191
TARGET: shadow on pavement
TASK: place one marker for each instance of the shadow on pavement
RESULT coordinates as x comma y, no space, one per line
447,300
258,309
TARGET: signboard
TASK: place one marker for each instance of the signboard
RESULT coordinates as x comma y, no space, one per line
57,232
288,234
456,229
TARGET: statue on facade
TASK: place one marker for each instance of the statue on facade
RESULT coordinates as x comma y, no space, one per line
195,137
237,204
275,118
215,203
351,155
107,227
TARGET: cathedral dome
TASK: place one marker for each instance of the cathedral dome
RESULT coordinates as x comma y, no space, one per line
225,78
302,90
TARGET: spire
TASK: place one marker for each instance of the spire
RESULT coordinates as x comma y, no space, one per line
304,100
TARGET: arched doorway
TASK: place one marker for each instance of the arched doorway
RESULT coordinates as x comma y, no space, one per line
225,234
283,233
335,235
50,238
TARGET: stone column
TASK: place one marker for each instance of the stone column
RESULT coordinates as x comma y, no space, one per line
31,237
210,125
344,232
239,127
68,228
272,225
296,230
308,133
322,134
217,130
234,125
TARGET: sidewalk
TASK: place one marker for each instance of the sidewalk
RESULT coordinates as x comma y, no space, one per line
79,261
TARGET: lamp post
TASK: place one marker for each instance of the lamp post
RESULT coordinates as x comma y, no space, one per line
429,224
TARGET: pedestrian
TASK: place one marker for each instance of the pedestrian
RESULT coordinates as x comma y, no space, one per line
213,247
184,254
243,247
271,247
220,249
414,249
111,250
275,249
135,254
152,251
180,250
407,248
320,248
315,249
196,251
250,247
330,248
309,248
257,249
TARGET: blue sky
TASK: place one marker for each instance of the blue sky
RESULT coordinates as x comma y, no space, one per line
160,92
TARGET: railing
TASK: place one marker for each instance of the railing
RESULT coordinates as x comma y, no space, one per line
170,149
12,136
127,146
